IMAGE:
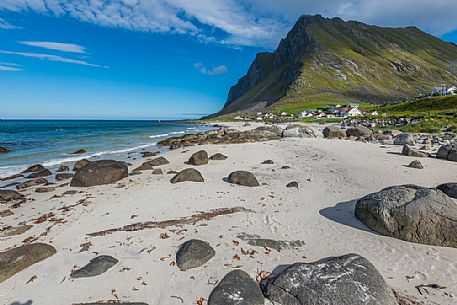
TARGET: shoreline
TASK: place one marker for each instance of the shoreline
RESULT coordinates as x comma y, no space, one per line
331,174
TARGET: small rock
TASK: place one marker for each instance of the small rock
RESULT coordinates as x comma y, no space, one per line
31,183
236,288
9,195
285,167
188,174
299,131
199,158
416,164
17,259
193,254
449,189
359,131
292,184
243,178
96,266
63,168
158,161
157,171
79,151
42,173
34,168
45,189
268,162
147,154
218,157
3,150
334,132
15,231
411,152
64,176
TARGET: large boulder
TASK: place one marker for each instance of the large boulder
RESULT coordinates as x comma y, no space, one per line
404,139
299,131
412,152
42,173
243,178
189,174
199,158
359,131
350,279
449,189
334,132
96,266
236,288
411,213
448,152
193,254
99,173
9,195
79,164
34,168
19,258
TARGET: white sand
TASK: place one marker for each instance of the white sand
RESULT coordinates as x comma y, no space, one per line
332,174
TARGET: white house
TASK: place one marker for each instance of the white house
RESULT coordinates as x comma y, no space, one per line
306,114
452,90
350,112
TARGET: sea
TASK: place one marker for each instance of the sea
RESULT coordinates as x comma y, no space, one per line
53,142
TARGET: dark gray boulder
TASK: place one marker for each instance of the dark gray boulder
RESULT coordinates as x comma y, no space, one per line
404,139
243,178
42,173
9,195
189,174
158,161
64,176
334,132
34,168
193,254
449,189
350,279
99,173
416,164
359,131
79,164
411,213
199,158
411,152
236,288
448,152
19,258
218,157
96,266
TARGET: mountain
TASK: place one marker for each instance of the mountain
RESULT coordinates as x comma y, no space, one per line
326,60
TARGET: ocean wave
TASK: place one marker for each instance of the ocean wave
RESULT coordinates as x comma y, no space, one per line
6,171
159,135
177,132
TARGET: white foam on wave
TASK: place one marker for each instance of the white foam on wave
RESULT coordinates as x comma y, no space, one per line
159,135
6,171
177,132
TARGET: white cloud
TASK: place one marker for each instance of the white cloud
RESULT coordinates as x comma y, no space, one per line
4,66
6,25
52,58
214,71
243,22
59,46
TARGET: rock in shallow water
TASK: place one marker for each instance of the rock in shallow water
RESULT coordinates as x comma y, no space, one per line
193,254
99,173
236,288
349,279
411,213
188,174
96,266
243,178
17,259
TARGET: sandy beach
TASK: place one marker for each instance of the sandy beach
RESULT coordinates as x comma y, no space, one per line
332,175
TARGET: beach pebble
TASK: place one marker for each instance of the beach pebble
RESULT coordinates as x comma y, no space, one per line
329,281
236,288
193,254
96,266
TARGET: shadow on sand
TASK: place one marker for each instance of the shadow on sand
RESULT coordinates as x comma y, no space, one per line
343,213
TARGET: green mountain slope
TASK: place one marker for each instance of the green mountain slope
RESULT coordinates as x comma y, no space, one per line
333,61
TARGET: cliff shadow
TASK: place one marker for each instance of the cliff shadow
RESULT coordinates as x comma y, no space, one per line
343,213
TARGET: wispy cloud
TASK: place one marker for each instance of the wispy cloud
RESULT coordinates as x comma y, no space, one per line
51,57
214,71
5,66
6,25
58,46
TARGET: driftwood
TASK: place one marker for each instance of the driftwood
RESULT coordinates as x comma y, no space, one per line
189,220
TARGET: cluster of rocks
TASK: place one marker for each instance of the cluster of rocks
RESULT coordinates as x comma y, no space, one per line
412,213
232,136
381,122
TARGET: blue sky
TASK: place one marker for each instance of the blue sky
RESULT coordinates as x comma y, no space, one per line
149,59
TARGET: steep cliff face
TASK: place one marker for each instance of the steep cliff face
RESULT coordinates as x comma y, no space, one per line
331,60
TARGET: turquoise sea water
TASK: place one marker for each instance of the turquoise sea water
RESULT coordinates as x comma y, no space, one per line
52,142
